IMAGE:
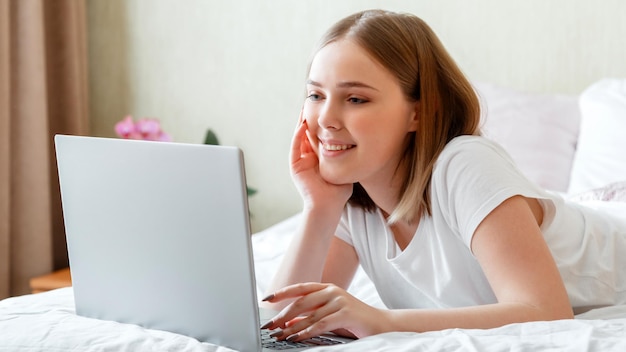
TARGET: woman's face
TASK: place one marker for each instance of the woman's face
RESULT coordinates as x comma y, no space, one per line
356,109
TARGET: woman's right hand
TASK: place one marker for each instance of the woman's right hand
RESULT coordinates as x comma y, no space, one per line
314,248
315,191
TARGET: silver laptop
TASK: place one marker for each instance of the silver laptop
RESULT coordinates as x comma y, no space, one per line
158,235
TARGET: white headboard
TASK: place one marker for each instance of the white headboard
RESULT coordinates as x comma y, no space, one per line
238,66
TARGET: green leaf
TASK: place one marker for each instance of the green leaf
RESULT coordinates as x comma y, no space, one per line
211,138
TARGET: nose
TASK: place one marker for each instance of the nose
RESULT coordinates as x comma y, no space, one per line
329,116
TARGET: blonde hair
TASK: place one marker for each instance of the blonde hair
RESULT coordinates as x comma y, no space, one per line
410,50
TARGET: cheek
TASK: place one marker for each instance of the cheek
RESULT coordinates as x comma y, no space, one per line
310,115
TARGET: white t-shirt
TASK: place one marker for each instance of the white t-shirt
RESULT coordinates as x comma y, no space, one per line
472,176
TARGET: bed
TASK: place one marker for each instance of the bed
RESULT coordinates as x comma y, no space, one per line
570,144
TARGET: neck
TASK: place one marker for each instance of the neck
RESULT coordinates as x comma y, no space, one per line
385,193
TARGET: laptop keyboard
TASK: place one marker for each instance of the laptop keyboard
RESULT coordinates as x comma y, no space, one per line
271,342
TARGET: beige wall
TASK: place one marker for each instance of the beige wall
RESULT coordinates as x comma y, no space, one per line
238,66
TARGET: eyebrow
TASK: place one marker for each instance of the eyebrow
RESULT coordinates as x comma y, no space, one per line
346,84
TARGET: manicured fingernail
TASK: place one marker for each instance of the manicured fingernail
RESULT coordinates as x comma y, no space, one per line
267,325
268,298
292,338
278,333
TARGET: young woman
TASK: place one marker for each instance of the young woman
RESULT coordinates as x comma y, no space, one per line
395,176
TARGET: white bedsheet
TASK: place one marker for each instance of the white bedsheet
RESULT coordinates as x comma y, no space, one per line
47,322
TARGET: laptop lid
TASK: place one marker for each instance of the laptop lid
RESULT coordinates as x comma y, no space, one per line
158,235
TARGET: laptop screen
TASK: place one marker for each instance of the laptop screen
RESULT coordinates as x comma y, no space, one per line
158,235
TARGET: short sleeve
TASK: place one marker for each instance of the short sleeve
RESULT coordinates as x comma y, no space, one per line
473,176
343,228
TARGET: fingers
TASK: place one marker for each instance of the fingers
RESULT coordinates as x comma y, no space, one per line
325,318
307,145
312,302
298,147
320,308
294,291
302,143
303,304
296,141
319,322
310,140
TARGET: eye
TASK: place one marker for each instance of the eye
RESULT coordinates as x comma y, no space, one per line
355,100
314,97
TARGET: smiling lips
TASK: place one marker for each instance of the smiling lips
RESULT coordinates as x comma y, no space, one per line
336,147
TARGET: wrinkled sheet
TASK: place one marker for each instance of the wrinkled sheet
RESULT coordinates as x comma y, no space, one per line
48,322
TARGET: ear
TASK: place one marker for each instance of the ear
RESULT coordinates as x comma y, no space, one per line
415,114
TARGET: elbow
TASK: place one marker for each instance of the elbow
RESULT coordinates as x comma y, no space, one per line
530,312
556,313
567,313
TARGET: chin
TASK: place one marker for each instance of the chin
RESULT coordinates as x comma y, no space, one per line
334,177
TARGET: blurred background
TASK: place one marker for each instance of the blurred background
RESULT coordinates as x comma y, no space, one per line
236,67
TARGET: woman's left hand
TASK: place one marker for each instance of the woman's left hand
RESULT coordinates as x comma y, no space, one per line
320,308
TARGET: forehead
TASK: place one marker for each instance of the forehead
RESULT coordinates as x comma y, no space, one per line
345,60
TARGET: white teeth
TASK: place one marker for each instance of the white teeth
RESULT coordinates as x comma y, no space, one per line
337,146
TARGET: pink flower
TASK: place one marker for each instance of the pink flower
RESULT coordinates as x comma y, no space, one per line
145,128
126,128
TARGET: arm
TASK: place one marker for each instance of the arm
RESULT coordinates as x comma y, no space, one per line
514,256
519,266
314,257
314,253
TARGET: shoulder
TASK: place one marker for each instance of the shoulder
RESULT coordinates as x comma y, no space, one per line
473,147
358,222
472,156
355,216
471,177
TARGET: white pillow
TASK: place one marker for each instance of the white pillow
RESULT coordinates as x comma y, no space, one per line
601,153
539,131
